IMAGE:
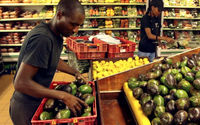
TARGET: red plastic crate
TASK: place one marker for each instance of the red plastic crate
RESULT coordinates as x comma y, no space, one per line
120,55
126,46
97,46
89,120
90,55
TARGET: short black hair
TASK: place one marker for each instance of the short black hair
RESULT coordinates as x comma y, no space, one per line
157,3
67,7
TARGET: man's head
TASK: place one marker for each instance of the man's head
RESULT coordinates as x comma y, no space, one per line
69,16
156,7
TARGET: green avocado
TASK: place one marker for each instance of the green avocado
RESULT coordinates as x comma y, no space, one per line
86,114
181,94
159,110
197,75
74,88
185,85
178,77
64,113
158,100
163,90
133,84
84,89
46,115
89,100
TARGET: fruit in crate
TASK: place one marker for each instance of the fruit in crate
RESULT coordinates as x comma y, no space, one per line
169,92
56,109
103,69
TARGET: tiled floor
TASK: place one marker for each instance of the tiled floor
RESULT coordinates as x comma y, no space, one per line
6,90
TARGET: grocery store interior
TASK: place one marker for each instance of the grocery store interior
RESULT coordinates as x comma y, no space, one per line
105,50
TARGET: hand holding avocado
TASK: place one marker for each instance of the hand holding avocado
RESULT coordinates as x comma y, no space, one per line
74,104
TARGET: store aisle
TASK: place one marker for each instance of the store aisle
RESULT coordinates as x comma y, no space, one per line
6,90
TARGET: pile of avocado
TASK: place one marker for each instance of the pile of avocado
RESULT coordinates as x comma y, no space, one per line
56,109
170,92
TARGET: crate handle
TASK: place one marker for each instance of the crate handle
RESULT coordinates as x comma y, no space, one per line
93,47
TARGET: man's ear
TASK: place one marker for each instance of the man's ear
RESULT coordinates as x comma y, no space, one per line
59,14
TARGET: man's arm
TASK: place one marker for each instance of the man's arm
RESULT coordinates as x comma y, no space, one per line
64,67
24,83
153,37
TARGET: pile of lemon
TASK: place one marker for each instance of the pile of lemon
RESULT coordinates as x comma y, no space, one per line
103,69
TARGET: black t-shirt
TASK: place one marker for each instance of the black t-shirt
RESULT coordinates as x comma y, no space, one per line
145,44
42,49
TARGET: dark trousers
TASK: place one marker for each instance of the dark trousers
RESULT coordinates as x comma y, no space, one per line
21,113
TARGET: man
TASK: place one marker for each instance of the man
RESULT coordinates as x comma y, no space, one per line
150,30
38,60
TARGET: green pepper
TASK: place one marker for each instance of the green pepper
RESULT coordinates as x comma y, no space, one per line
159,110
133,84
185,85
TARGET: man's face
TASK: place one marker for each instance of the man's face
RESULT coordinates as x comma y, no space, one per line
68,25
156,11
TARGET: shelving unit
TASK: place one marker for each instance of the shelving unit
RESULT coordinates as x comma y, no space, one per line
13,57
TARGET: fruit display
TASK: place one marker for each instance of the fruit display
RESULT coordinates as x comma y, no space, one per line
17,12
56,109
17,25
181,13
9,49
169,93
29,1
104,68
181,2
12,38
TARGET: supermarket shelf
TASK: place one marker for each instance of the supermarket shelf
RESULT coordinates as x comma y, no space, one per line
98,17
53,4
193,7
10,31
10,44
92,29
24,19
182,29
84,29
182,18
110,4
28,4
17,44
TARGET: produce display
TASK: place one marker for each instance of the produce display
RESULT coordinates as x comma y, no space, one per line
56,109
181,3
12,38
29,1
104,68
169,93
17,12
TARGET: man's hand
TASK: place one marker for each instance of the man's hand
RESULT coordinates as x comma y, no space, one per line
80,76
74,104
169,40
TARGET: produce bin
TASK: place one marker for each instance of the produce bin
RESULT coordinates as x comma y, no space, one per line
97,46
126,49
113,108
89,120
116,83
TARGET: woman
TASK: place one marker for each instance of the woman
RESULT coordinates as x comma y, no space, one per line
150,30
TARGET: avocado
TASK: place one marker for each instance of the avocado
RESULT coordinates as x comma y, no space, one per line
158,100
137,92
153,81
184,63
156,121
133,84
170,81
177,65
159,110
145,97
196,69
63,114
180,118
167,61
46,115
195,101
166,118
178,77
84,89
142,84
174,71
50,105
185,85
158,73
181,94
194,114
196,83
171,107
185,69
74,88
148,107
163,90
197,75
189,76
151,75
89,100
152,88
165,67
167,98
182,104
88,109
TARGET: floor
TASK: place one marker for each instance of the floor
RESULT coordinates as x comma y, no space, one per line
6,90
